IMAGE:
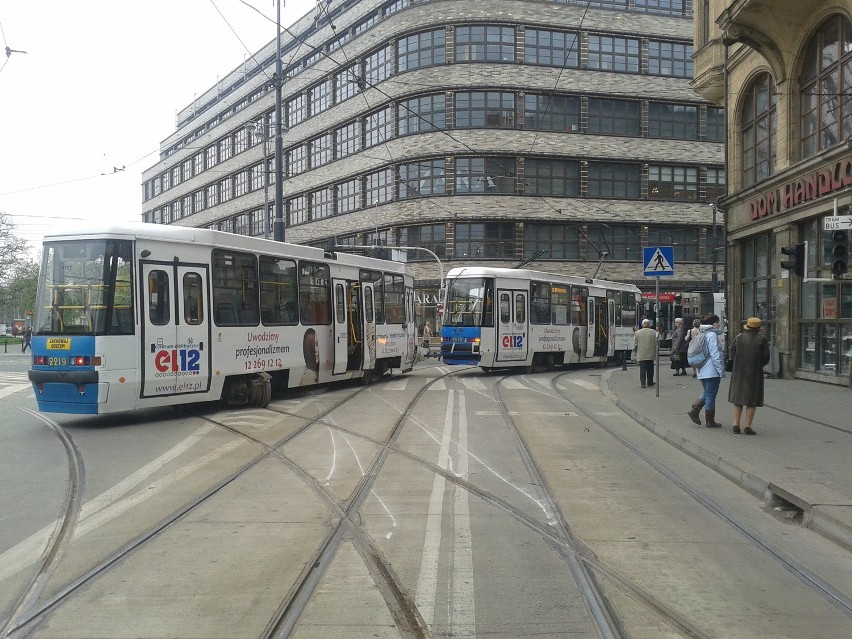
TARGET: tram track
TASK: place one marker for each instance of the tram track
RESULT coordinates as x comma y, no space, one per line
59,540
29,609
582,564
813,581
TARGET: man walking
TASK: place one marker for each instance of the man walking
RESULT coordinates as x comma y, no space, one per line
645,352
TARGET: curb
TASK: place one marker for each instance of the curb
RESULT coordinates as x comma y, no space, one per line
814,518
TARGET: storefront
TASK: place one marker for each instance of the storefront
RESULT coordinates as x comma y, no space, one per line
807,317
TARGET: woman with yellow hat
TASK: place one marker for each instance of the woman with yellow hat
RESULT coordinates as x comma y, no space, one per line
750,352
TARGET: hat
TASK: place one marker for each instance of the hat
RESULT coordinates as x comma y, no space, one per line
753,323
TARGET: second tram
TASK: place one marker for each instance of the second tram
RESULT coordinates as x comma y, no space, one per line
144,315
502,318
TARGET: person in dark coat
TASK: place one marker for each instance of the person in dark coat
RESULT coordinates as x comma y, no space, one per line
679,346
750,352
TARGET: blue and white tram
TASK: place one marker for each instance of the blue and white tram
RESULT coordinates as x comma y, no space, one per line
501,318
144,315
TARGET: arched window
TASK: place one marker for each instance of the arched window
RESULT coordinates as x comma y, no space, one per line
825,82
759,126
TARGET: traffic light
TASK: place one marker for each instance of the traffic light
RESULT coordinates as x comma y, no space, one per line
840,253
797,264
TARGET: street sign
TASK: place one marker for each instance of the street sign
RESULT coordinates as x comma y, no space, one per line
658,261
836,222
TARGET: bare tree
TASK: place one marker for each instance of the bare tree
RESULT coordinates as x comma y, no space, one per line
13,249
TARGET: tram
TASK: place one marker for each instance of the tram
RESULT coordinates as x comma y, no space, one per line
143,315
503,318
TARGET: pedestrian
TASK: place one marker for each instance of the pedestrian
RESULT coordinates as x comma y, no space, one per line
750,352
645,352
28,336
690,333
710,374
679,346
427,333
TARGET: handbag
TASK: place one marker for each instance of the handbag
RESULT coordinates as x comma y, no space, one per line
729,365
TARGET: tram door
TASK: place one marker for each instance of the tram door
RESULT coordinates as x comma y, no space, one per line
348,326
175,340
367,302
512,326
591,326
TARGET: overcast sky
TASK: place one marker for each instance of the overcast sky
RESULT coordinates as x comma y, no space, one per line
98,89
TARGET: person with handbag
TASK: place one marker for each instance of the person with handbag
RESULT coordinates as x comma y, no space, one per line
750,353
679,346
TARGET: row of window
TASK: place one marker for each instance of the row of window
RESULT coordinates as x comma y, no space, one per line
825,311
341,36
463,109
249,290
474,43
825,108
497,240
533,177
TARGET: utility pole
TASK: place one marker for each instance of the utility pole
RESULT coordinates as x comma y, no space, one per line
278,80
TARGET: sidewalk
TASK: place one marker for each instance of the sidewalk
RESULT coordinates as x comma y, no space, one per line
801,453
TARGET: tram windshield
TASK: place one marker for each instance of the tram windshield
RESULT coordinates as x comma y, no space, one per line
85,288
470,302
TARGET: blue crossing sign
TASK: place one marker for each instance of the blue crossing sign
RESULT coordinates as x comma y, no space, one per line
658,261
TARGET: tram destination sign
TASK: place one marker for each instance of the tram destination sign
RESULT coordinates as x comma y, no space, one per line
836,222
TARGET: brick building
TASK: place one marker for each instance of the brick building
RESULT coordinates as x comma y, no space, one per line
559,131
783,72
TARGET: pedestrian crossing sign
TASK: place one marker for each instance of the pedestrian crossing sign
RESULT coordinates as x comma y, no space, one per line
658,261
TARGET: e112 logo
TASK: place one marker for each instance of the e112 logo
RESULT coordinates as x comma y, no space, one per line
177,360
513,341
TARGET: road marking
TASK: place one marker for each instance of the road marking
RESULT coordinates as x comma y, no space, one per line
97,511
461,607
584,384
496,413
427,581
463,617
513,384
396,384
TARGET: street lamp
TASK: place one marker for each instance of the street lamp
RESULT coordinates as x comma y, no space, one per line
714,277
278,79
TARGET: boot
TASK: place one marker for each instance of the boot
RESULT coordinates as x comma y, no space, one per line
710,419
694,413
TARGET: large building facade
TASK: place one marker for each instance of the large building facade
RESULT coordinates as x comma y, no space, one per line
783,70
559,132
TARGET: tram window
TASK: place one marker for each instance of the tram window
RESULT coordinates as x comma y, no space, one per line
559,303
504,308
193,302
339,304
158,298
579,295
375,278
278,291
539,303
394,299
368,304
520,308
235,295
314,293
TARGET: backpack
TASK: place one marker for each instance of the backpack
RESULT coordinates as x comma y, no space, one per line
698,353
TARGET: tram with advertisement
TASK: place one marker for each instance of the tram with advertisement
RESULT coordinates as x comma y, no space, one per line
143,315
504,318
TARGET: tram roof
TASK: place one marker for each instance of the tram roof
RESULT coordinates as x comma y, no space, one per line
216,239
529,274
